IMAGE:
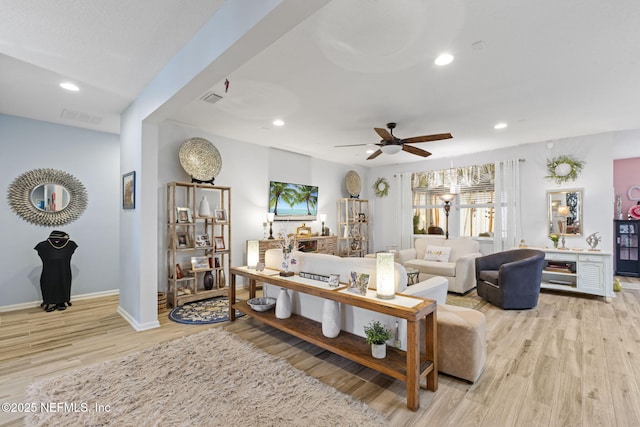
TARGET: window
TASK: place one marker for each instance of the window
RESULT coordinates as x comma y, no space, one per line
472,211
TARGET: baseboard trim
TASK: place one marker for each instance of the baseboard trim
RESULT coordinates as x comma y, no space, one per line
134,324
32,304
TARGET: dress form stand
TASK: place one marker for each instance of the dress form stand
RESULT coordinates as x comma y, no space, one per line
55,280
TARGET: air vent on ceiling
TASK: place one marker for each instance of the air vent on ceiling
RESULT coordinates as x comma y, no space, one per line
77,116
211,97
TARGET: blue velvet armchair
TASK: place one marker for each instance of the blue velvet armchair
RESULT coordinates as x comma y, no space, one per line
510,279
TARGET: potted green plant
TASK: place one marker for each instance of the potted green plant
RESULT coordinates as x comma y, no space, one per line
377,335
554,238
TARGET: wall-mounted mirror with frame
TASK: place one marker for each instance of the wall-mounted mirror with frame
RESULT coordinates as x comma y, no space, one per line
47,197
564,212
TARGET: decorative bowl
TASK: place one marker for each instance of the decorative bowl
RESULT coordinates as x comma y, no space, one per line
262,304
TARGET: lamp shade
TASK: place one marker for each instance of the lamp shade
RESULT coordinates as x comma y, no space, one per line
252,253
447,197
563,211
390,149
271,216
323,217
385,275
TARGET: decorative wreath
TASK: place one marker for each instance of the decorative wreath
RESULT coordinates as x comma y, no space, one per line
381,187
564,168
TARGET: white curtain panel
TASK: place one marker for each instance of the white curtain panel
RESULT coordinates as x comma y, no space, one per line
508,226
406,205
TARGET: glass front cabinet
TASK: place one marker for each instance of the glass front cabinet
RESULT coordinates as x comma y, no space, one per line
627,263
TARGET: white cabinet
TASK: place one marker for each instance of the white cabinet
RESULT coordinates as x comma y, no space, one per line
577,271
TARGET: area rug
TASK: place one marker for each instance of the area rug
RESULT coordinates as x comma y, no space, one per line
470,300
211,378
203,312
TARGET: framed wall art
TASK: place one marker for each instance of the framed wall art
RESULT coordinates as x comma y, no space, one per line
129,190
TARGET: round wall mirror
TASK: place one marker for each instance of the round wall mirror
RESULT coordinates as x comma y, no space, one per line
47,197
50,197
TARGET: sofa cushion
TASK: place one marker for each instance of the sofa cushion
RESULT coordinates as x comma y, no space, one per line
437,253
434,268
459,247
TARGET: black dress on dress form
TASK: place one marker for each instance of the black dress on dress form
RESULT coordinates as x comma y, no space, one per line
55,280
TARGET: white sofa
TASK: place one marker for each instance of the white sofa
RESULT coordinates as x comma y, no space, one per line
353,318
459,269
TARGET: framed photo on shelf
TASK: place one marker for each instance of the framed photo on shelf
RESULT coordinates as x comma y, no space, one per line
182,239
199,263
334,280
358,283
183,214
219,240
220,215
202,240
129,190
216,262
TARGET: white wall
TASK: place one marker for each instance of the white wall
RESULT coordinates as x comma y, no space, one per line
93,158
596,179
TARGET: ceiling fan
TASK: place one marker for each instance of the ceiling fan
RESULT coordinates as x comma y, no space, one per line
390,144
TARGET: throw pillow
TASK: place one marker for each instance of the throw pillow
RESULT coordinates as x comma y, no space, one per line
437,253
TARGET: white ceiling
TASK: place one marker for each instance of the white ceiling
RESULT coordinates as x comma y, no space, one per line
549,69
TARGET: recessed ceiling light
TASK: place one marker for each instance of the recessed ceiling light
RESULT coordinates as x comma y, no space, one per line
278,122
501,125
69,86
444,59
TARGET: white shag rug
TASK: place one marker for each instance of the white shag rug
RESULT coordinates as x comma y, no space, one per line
208,379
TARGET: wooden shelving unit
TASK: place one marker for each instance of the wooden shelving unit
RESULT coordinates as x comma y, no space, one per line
353,227
189,235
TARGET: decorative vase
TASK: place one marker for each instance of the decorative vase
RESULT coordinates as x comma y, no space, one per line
208,281
555,245
283,304
330,318
203,208
379,351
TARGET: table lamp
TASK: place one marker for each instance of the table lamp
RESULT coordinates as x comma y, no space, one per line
270,217
563,211
385,275
323,218
252,253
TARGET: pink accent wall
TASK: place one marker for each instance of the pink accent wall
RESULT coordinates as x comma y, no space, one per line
626,174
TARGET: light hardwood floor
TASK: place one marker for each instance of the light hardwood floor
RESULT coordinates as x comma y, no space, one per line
571,361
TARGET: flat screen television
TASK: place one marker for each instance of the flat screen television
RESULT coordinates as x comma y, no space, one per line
293,202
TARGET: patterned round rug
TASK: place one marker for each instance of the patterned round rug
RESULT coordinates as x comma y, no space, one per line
203,312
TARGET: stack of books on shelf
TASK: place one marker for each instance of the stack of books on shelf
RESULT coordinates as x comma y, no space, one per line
560,267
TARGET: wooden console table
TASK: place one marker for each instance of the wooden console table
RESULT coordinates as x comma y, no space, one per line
409,366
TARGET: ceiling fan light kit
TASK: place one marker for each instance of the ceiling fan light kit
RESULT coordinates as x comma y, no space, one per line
390,144
391,149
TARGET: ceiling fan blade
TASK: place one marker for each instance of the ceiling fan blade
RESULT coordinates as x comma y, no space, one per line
374,155
352,145
384,134
415,150
428,138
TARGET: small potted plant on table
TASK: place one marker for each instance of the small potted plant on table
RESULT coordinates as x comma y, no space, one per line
377,335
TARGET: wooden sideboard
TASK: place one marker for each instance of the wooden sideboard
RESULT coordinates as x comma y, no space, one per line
318,244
